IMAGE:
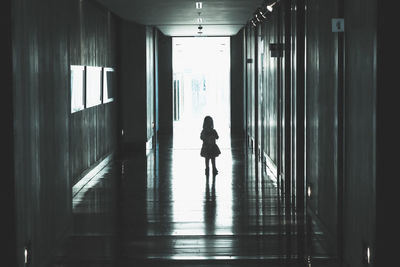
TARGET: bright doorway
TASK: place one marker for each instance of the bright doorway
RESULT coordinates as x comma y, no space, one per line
201,87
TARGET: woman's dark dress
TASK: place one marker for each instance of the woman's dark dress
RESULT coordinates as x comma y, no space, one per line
209,148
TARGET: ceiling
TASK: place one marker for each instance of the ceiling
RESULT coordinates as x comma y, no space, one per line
180,17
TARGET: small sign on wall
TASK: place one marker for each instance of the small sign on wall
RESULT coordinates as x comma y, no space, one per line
276,50
338,25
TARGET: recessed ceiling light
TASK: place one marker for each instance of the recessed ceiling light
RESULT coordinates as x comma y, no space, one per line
199,5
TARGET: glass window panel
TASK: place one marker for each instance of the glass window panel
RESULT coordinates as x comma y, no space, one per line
77,88
93,86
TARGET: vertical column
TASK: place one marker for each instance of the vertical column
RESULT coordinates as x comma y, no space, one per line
165,84
237,88
8,230
288,121
300,122
341,129
387,137
256,101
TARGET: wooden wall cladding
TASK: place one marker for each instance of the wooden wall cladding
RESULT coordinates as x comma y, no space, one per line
52,145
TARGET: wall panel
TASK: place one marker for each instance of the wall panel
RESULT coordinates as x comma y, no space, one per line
52,146
322,115
360,132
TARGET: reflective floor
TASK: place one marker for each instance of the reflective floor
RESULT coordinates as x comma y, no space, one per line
161,209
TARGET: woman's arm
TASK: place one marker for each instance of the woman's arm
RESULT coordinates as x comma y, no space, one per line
216,134
202,135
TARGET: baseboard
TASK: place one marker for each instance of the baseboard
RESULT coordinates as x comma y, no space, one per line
90,173
271,167
324,231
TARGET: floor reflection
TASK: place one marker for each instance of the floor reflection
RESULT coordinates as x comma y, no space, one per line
155,208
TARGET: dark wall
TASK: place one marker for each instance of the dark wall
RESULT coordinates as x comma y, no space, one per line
132,62
7,193
268,86
360,131
250,86
165,83
237,94
136,90
150,74
92,42
47,38
322,114
331,112
387,133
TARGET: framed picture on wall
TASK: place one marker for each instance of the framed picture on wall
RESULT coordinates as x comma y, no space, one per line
77,88
93,86
109,83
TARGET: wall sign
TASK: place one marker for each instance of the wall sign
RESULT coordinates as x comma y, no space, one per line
338,25
276,50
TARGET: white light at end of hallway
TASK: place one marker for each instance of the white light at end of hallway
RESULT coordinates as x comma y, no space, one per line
199,5
368,255
122,132
309,191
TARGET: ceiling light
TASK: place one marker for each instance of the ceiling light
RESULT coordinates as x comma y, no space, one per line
254,24
271,7
199,5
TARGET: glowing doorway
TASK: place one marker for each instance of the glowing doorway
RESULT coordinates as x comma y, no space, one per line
201,87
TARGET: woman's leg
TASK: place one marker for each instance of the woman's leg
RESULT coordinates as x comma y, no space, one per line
215,171
207,160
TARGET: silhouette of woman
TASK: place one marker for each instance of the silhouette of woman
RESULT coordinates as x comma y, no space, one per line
209,149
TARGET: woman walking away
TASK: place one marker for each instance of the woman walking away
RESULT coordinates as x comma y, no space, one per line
209,149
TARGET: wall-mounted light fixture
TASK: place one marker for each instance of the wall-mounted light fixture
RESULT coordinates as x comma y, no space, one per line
367,260
262,12
270,8
27,255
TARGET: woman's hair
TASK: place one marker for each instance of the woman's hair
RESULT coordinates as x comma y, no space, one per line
208,123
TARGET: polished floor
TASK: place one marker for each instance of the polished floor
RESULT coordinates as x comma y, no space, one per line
160,209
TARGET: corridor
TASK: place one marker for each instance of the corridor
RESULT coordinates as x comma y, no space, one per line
160,209
99,169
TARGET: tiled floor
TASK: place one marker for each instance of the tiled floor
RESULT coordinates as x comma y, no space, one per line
160,209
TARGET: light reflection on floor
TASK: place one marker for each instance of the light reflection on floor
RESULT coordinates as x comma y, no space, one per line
193,201
166,209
